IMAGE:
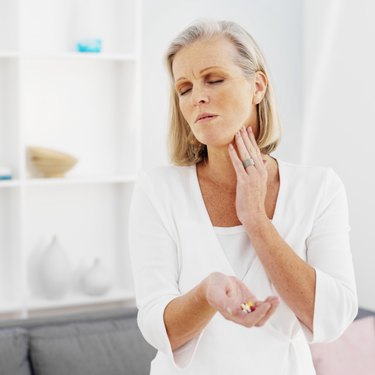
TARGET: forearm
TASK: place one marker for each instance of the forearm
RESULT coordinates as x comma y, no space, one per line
293,278
186,316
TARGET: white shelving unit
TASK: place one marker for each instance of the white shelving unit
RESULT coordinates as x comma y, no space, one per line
85,104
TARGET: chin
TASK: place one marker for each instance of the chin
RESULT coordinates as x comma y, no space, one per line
214,136
215,142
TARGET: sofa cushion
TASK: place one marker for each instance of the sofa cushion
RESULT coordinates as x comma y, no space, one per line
90,348
352,353
13,352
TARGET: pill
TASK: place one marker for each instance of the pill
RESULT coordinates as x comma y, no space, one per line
251,305
248,307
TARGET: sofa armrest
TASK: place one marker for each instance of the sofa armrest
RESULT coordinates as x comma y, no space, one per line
352,353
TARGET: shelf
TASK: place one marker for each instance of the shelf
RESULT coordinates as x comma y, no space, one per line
87,105
10,281
91,102
77,300
69,56
9,308
9,183
68,181
58,25
77,56
8,54
79,180
8,26
9,118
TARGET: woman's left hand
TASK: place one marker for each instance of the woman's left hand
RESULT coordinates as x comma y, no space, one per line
251,180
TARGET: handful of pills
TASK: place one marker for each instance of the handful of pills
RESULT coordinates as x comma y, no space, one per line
248,307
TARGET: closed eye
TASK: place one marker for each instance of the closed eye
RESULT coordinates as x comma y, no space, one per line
184,92
217,81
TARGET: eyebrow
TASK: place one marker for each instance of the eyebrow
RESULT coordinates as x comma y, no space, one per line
202,71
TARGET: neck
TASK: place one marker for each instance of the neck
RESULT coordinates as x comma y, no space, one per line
219,168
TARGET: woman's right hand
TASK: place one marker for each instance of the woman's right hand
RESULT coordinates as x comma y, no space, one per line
226,294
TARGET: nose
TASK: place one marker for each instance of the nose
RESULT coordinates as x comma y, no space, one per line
199,96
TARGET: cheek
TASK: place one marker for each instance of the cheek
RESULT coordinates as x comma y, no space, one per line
245,102
238,110
184,108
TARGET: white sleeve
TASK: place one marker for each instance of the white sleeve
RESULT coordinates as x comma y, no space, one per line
153,255
328,251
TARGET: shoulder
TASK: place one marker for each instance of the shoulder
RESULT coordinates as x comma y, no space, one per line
311,185
310,189
309,176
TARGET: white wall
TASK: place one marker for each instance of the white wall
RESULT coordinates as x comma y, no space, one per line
339,131
277,27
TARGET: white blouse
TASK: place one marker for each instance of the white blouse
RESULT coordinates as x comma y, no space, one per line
173,247
237,247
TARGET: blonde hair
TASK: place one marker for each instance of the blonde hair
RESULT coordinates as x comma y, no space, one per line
184,148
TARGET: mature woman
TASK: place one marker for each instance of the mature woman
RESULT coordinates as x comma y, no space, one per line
230,228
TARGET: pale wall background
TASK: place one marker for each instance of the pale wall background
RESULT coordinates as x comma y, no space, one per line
321,57
339,125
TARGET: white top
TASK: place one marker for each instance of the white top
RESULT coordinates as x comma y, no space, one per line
237,247
173,247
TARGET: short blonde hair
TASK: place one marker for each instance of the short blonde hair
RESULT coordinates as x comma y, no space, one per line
184,148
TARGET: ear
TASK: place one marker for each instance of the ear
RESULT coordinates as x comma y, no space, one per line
260,87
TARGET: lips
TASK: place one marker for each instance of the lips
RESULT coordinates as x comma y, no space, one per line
205,116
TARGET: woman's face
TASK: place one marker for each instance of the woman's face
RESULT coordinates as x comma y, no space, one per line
215,98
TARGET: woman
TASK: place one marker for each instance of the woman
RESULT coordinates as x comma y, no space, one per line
230,224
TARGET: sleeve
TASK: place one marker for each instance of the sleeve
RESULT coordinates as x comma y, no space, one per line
153,255
328,251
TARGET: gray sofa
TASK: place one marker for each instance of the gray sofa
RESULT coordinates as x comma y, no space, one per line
97,343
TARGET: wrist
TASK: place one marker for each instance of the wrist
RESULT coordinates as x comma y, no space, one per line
203,292
257,223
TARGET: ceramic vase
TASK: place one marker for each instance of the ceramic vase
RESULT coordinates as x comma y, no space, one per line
96,280
55,271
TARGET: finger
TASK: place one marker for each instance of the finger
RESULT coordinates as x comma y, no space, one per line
251,319
261,166
254,142
254,146
237,163
270,312
268,299
242,150
227,313
274,301
246,139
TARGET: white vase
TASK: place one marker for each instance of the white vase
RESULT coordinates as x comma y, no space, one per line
96,280
55,271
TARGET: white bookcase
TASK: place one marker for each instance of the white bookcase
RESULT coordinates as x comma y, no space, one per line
86,104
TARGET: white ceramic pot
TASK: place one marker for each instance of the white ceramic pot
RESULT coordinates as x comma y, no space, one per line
55,271
96,280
